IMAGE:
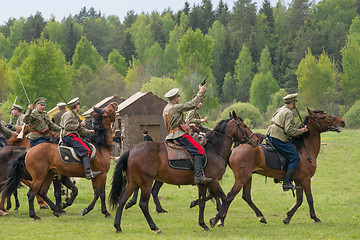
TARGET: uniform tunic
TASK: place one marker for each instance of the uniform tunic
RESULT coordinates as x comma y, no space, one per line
39,124
193,117
4,130
72,133
20,119
173,116
281,129
56,117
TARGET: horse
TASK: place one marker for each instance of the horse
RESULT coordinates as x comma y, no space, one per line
148,161
43,162
244,161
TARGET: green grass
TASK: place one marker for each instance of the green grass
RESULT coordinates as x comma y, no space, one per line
335,188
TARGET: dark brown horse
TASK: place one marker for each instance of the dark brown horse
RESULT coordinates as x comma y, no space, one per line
244,161
43,161
148,161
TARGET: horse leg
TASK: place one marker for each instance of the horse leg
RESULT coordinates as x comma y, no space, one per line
101,190
132,202
17,203
122,200
309,198
154,192
8,203
43,193
247,198
57,193
299,200
39,200
74,191
96,196
202,195
144,205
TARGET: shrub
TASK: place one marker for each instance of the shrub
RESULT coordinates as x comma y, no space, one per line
250,114
352,117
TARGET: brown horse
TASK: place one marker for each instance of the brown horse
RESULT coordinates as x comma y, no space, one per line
244,161
43,161
148,161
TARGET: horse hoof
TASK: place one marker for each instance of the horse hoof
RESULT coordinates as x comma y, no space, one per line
192,204
44,207
317,220
118,230
220,224
212,222
108,215
161,211
2,213
158,231
286,221
206,229
36,218
129,205
62,212
84,212
56,214
262,220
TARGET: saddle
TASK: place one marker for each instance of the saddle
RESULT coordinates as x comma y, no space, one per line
274,159
68,155
179,157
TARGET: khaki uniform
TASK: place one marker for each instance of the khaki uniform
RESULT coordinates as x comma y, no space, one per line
176,116
39,124
282,125
56,117
72,125
4,130
193,117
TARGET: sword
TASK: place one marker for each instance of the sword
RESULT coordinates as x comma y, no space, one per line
23,86
297,111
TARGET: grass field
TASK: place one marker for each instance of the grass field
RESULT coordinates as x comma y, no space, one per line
335,188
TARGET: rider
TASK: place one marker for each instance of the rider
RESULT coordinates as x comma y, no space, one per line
39,123
174,117
279,132
4,132
56,117
193,117
73,131
16,111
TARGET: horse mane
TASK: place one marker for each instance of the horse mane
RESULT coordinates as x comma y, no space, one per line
299,141
213,137
100,136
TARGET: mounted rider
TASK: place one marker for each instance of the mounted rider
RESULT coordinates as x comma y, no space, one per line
56,117
4,132
279,132
39,123
16,111
73,130
174,117
193,117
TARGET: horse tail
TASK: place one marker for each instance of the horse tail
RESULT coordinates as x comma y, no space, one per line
118,180
15,174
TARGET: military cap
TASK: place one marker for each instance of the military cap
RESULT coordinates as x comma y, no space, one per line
73,102
40,100
18,107
172,93
61,104
290,97
145,132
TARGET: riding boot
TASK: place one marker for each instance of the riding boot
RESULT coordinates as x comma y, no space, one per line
199,178
289,175
86,164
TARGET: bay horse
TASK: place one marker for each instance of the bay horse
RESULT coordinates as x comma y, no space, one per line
244,161
43,162
148,161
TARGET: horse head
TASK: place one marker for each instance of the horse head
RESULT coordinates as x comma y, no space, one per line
245,135
107,114
325,122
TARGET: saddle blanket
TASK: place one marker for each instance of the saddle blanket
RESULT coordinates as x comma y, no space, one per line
68,155
274,159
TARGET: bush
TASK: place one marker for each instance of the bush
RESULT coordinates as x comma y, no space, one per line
352,117
250,114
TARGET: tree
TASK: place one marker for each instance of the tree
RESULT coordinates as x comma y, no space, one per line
159,86
33,27
244,74
154,58
72,34
228,93
142,36
315,79
265,61
5,47
251,115
86,54
262,88
195,60
43,72
4,79
118,62
20,53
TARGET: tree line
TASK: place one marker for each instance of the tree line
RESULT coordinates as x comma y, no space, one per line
252,56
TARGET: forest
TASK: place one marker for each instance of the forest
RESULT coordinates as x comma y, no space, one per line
252,55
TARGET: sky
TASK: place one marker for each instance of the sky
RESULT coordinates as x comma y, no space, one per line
63,8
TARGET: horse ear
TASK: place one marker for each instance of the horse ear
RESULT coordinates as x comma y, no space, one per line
309,111
234,114
230,115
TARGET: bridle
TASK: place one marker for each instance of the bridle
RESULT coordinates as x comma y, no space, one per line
328,126
247,139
